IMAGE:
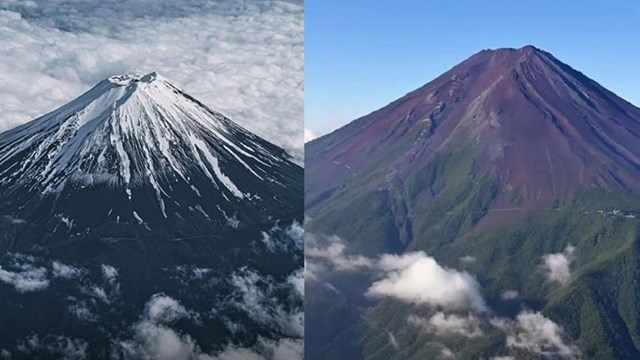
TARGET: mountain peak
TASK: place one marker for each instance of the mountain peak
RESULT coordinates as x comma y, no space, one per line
131,131
532,123
526,49
128,79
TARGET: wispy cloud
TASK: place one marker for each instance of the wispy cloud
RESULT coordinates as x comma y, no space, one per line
558,265
452,324
64,271
55,346
23,274
536,333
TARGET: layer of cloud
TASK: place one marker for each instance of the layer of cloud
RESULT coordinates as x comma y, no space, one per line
445,325
244,59
557,266
535,333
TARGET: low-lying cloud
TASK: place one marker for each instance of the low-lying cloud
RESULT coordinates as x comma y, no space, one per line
418,279
414,278
56,346
557,266
332,253
445,325
536,333
23,274
282,238
154,336
64,271
257,296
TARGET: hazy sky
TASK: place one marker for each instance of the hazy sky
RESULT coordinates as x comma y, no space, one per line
242,58
360,57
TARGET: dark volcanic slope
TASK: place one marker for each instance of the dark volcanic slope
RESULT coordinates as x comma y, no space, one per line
536,124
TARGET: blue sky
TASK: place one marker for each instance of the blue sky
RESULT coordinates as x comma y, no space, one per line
360,55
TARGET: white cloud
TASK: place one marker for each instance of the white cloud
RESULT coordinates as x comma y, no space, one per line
312,269
13,220
446,354
82,312
60,270
467,259
162,309
417,278
334,254
509,295
99,293
296,280
23,274
55,345
257,297
244,59
535,333
109,289
285,349
412,277
557,265
158,342
5,354
442,324
282,238
393,341
109,272
154,339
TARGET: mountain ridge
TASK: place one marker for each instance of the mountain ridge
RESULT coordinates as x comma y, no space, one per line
475,97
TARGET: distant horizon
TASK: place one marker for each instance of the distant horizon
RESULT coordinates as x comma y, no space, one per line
356,65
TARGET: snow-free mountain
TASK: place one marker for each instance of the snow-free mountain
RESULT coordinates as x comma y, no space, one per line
511,168
139,187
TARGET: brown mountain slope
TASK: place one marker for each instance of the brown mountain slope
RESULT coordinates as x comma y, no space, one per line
538,126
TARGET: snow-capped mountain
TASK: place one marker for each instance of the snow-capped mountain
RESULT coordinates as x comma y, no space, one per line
133,134
135,214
